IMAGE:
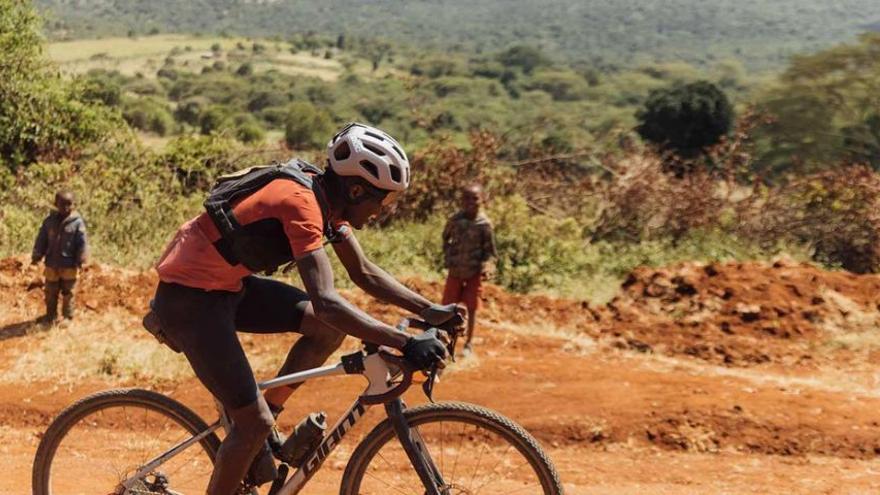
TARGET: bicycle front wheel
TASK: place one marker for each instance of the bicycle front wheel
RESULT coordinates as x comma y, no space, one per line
105,438
475,450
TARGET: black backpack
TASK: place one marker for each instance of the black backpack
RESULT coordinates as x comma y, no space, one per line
261,246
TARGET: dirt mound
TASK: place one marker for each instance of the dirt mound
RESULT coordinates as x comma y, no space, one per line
737,313
99,286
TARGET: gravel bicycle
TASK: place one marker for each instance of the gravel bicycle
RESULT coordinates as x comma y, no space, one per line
139,442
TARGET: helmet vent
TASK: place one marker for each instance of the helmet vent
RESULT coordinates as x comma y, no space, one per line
371,168
374,135
398,152
374,149
395,173
342,151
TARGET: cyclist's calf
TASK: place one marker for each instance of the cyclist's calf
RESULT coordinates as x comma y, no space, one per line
250,426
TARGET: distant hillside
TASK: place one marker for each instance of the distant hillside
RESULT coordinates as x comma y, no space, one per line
624,32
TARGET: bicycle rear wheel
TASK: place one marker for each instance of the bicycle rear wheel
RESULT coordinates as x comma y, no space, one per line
476,450
106,437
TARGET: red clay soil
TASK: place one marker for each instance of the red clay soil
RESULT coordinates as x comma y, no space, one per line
694,379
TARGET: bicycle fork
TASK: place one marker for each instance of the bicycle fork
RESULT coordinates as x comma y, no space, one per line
416,450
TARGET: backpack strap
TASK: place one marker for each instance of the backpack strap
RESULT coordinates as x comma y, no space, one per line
231,187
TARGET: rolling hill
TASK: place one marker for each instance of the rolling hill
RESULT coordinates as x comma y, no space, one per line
626,32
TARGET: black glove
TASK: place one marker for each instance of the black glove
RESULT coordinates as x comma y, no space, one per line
425,350
437,315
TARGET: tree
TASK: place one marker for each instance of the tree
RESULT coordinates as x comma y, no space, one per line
823,110
307,126
41,114
685,118
148,114
526,58
213,119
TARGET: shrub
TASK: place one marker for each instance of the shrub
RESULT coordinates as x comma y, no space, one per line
526,58
190,110
246,69
686,118
247,129
144,87
214,119
534,250
41,115
307,126
264,98
196,161
148,114
167,73
835,212
102,89
562,86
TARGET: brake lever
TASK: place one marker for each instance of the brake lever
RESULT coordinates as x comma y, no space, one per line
428,386
451,347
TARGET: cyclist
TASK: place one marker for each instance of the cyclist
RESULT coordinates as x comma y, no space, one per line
208,290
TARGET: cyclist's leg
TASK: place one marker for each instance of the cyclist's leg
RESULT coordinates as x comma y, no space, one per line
201,323
270,306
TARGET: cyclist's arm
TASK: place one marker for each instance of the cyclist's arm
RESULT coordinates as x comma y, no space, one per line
374,280
333,309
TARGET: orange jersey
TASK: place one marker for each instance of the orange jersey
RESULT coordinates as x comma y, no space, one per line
192,260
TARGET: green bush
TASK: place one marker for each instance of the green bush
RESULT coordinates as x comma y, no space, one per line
144,87
214,119
102,88
196,161
248,129
561,85
41,115
686,118
244,70
526,58
534,250
307,126
148,114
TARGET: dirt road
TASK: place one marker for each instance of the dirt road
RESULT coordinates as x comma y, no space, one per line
678,386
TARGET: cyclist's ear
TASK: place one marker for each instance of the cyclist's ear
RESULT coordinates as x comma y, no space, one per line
355,192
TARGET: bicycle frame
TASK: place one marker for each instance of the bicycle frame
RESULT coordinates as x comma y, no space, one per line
379,375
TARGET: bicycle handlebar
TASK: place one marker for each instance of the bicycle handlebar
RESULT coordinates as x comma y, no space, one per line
452,327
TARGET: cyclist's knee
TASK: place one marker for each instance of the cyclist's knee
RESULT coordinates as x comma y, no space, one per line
330,338
254,420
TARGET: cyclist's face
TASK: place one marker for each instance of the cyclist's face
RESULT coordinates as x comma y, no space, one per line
372,207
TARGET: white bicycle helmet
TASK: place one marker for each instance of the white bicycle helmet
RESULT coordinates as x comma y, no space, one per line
366,152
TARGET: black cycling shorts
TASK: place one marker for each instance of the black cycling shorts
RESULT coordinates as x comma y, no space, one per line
202,324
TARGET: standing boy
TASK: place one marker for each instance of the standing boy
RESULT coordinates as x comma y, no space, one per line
62,241
468,247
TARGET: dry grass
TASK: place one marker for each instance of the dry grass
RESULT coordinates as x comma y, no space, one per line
129,48
146,55
108,346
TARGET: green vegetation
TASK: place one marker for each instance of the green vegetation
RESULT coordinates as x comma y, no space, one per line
604,34
824,109
686,119
577,199
41,115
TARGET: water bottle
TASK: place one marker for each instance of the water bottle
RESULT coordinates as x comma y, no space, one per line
305,438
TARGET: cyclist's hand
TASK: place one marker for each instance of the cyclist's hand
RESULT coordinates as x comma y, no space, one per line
425,350
436,314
